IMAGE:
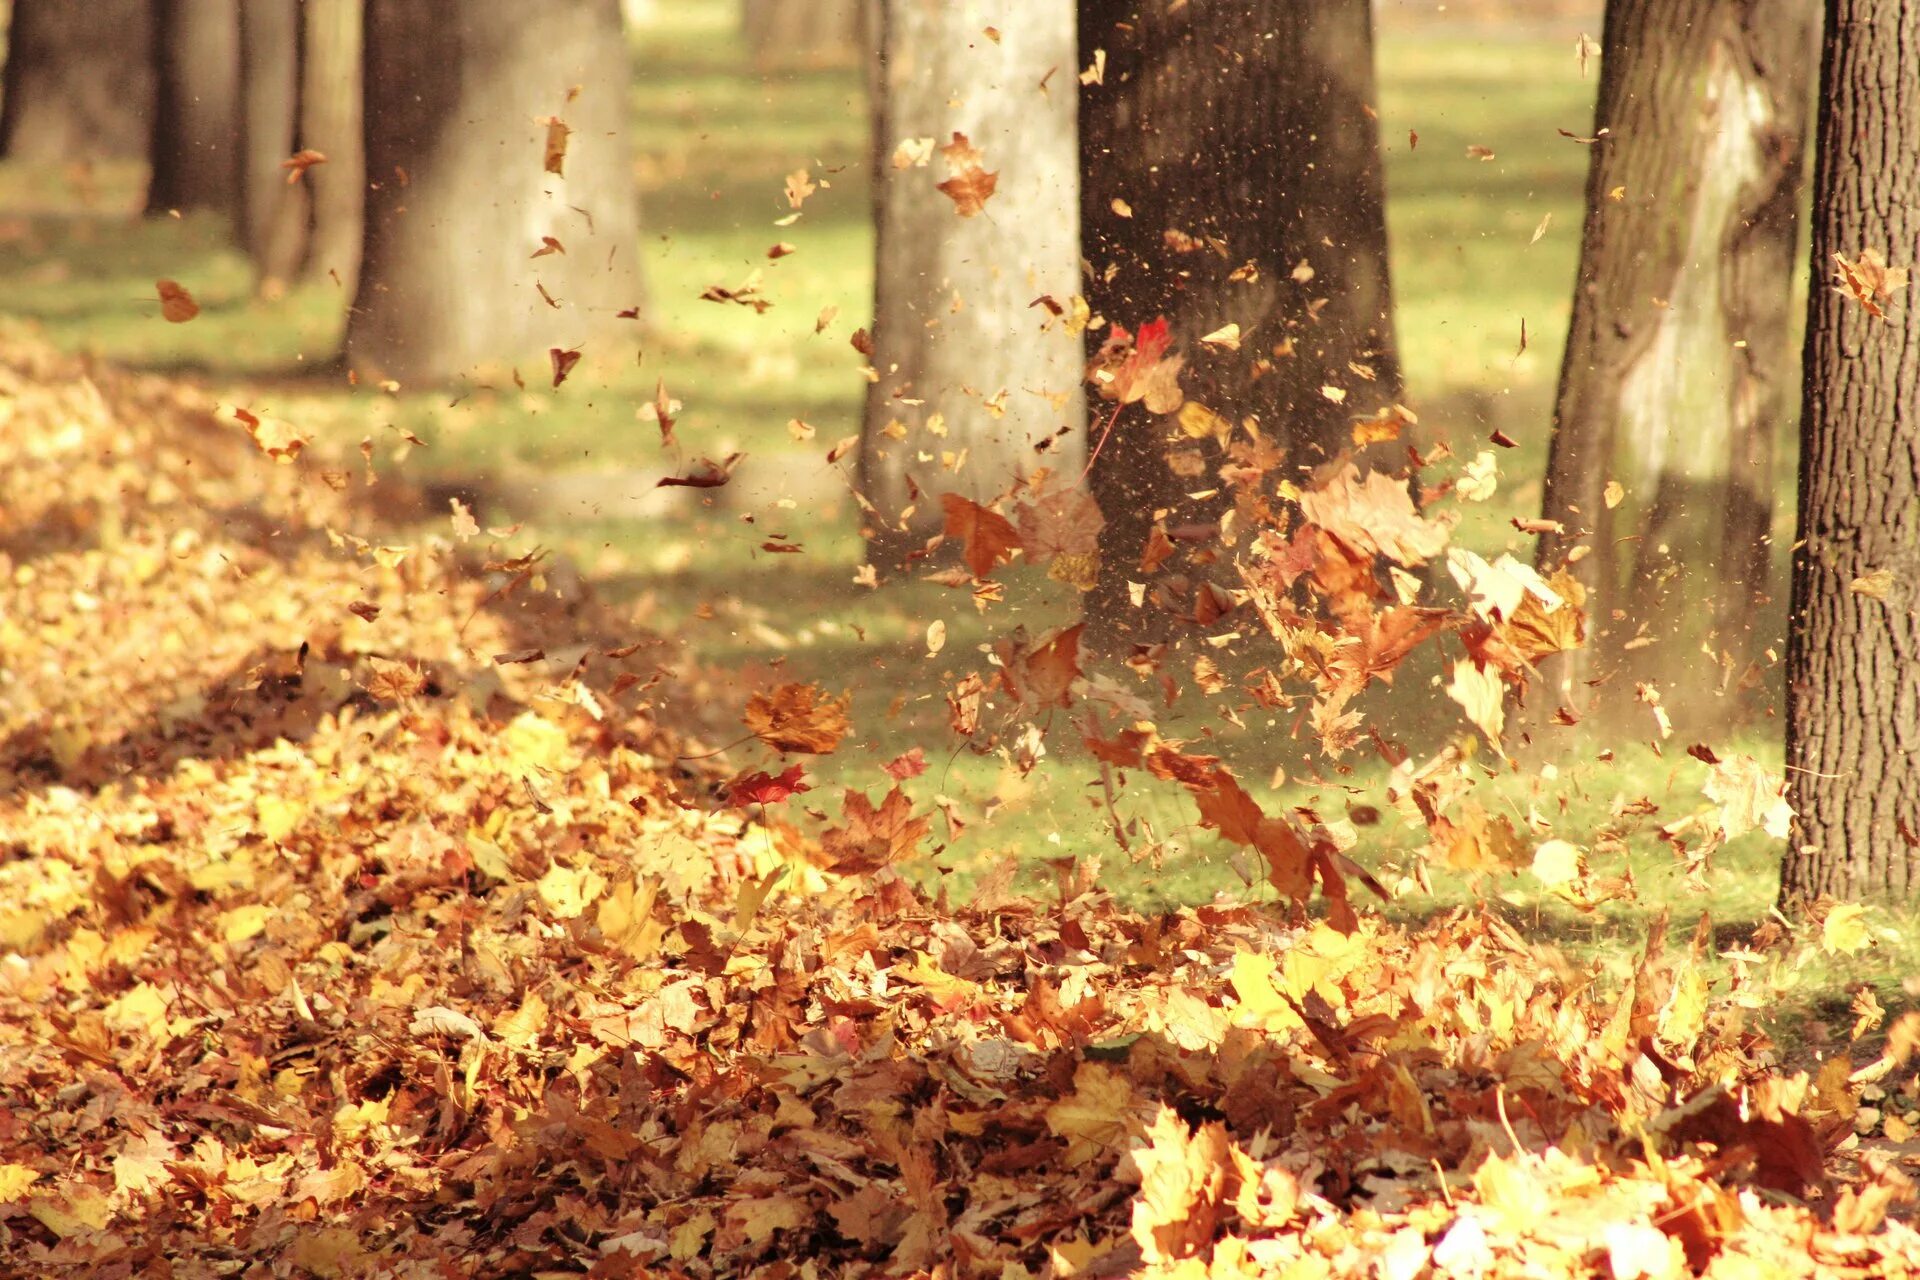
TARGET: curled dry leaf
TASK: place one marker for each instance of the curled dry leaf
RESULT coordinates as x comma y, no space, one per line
276,437
299,162
800,718
176,304
1869,281
554,149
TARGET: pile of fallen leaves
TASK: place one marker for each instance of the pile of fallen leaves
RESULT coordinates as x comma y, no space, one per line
353,922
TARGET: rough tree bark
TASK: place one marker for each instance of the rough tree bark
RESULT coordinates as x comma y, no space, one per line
79,81
458,198
331,123
1853,695
196,148
781,33
967,363
1678,372
274,213
1230,169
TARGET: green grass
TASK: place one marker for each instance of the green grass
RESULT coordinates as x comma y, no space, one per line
715,142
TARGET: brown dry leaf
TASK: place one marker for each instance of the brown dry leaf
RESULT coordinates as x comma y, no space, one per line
873,837
1060,520
1041,675
1869,281
796,717
394,681
563,360
554,151
176,304
299,162
1375,516
971,185
1535,631
989,538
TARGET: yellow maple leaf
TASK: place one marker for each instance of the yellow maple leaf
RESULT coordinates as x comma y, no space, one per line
14,1181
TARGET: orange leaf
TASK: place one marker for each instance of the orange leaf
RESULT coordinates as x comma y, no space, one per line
990,537
971,185
1041,676
301,161
873,837
797,717
176,304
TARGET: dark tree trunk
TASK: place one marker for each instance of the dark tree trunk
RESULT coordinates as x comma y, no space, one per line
274,212
196,119
1853,661
79,80
1230,170
458,199
967,364
786,33
331,123
1678,372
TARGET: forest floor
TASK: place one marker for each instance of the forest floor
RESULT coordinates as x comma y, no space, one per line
420,924
576,467
361,914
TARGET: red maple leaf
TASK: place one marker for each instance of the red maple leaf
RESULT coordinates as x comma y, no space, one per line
763,788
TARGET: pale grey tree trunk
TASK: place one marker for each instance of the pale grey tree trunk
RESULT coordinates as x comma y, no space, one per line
459,198
966,362
273,212
330,122
1679,373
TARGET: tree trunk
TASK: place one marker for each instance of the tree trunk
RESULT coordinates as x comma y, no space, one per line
1853,661
786,33
79,80
330,123
1678,371
1231,174
459,200
196,119
968,365
275,212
